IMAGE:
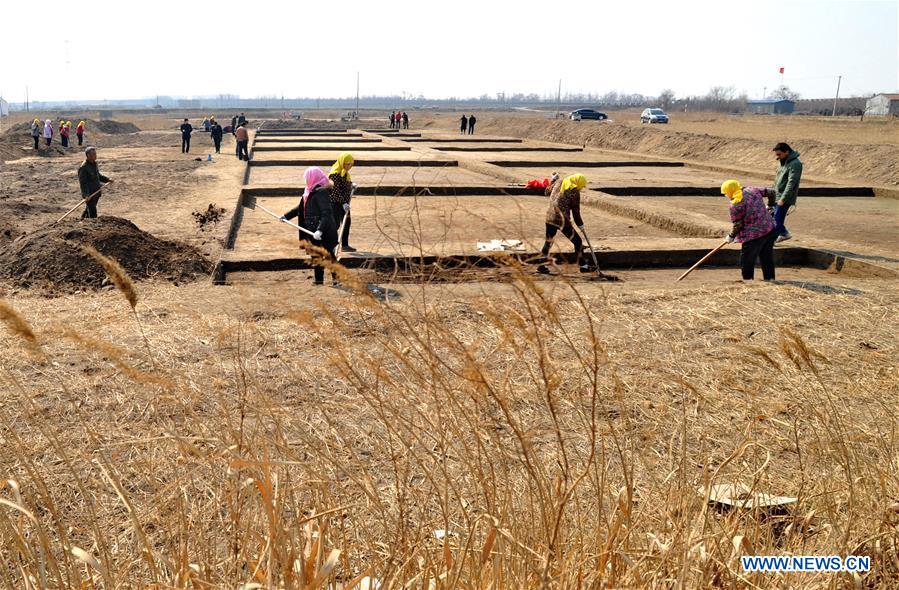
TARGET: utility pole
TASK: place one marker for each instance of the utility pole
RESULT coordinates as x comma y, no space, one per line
357,94
837,97
559,96
26,99
764,92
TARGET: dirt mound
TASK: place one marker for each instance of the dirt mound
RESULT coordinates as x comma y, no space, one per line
305,124
50,258
111,127
8,232
868,164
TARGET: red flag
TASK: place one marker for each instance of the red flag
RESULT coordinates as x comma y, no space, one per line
781,70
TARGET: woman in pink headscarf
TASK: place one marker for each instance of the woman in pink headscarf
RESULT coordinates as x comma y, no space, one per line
314,213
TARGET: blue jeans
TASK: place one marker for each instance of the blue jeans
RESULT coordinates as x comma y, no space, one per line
780,216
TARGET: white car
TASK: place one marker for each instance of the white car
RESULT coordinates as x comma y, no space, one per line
653,116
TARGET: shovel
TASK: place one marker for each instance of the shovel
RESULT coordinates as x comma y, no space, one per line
703,259
599,273
339,245
82,202
250,203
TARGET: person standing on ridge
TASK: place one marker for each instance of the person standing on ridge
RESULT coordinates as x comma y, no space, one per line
215,132
786,187
464,126
243,142
79,131
471,122
186,130
91,182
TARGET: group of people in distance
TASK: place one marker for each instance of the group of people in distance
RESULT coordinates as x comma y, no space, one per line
324,211
467,124
238,129
45,130
758,214
398,120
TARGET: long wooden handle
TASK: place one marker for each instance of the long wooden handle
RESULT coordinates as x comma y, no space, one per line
278,217
703,259
82,202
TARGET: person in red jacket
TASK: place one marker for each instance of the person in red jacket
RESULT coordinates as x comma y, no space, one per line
398,118
64,134
79,131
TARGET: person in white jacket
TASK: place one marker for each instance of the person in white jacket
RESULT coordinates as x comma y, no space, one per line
48,132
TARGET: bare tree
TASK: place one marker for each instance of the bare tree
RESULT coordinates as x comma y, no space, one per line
666,97
784,92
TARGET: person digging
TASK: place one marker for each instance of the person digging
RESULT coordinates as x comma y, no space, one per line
91,182
316,219
563,214
753,227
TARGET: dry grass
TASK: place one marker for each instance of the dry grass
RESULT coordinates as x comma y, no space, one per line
517,435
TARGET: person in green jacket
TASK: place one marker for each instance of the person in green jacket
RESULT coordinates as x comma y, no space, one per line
786,187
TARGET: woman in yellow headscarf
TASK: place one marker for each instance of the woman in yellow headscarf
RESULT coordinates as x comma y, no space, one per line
36,128
341,194
79,131
753,227
564,213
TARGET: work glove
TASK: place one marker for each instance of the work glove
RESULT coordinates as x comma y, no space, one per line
346,207
581,228
317,236
354,186
555,176
282,218
730,239
770,209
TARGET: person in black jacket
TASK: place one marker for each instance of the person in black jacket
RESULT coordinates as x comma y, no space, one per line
314,213
91,180
186,130
471,121
216,133
464,126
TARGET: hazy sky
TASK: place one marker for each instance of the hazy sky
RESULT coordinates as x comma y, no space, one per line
104,49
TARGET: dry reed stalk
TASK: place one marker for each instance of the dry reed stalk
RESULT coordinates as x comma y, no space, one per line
18,325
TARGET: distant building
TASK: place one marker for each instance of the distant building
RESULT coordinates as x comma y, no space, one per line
771,106
185,103
4,108
882,105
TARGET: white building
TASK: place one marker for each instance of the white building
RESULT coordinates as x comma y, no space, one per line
882,105
4,108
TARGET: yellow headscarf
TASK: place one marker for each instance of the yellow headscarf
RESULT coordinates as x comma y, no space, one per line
733,190
37,121
82,124
339,166
578,181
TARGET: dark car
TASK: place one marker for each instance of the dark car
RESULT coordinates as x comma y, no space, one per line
587,114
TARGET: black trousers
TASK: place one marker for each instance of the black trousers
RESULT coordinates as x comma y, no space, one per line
758,249
568,232
339,213
90,208
242,153
80,138
37,139
463,128
218,145
318,272
185,144
49,140
471,129
64,140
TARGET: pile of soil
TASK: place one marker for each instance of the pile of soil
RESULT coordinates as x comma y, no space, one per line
305,124
8,232
111,127
878,164
50,258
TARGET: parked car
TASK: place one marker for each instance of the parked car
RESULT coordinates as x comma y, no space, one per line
653,116
587,114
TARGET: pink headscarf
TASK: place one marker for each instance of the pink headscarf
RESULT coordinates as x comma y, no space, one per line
314,179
